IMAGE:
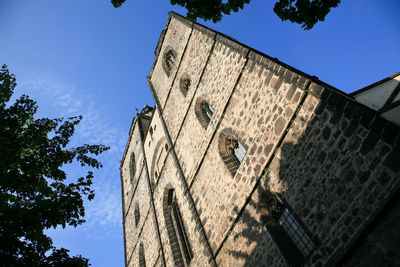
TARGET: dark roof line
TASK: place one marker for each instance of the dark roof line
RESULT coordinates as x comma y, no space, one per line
374,84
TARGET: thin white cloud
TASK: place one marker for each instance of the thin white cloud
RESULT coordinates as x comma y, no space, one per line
55,99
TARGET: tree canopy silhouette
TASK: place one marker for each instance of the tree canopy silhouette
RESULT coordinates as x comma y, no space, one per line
304,12
34,193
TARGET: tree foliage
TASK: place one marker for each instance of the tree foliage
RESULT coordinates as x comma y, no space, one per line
34,194
304,12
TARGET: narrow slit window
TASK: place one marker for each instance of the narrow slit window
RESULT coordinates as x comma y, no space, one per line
142,259
132,168
137,215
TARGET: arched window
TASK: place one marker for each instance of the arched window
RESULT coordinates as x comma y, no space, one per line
137,214
168,61
184,84
204,111
182,253
286,230
231,150
142,259
159,156
132,167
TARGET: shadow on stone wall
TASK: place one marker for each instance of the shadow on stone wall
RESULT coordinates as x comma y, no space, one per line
336,180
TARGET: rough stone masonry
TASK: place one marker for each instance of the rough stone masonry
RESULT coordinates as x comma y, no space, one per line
246,161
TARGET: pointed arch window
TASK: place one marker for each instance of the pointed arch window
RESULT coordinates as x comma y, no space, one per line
137,214
176,229
204,111
142,259
159,156
132,167
231,150
287,231
169,61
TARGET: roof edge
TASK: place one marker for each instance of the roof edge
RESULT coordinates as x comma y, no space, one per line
366,88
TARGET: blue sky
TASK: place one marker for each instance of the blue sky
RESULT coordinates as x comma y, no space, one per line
88,58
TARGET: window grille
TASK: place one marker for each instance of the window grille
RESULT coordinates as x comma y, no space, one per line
296,233
207,111
204,111
286,230
176,230
240,152
231,150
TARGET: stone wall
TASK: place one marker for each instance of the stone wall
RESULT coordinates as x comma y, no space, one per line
128,184
335,169
176,36
379,245
170,178
149,239
333,163
257,114
219,79
192,66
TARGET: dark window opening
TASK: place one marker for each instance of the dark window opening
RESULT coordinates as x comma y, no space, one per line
287,232
137,214
132,168
142,259
184,84
168,62
176,230
204,112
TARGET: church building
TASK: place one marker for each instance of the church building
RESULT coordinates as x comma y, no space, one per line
247,161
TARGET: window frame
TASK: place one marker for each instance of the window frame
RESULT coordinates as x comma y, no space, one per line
229,145
204,111
178,237
169,60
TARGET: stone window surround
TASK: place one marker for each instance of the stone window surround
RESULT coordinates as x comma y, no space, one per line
276,208
155,171
184,83
227,152
203,111
168,60
177,234
142,259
